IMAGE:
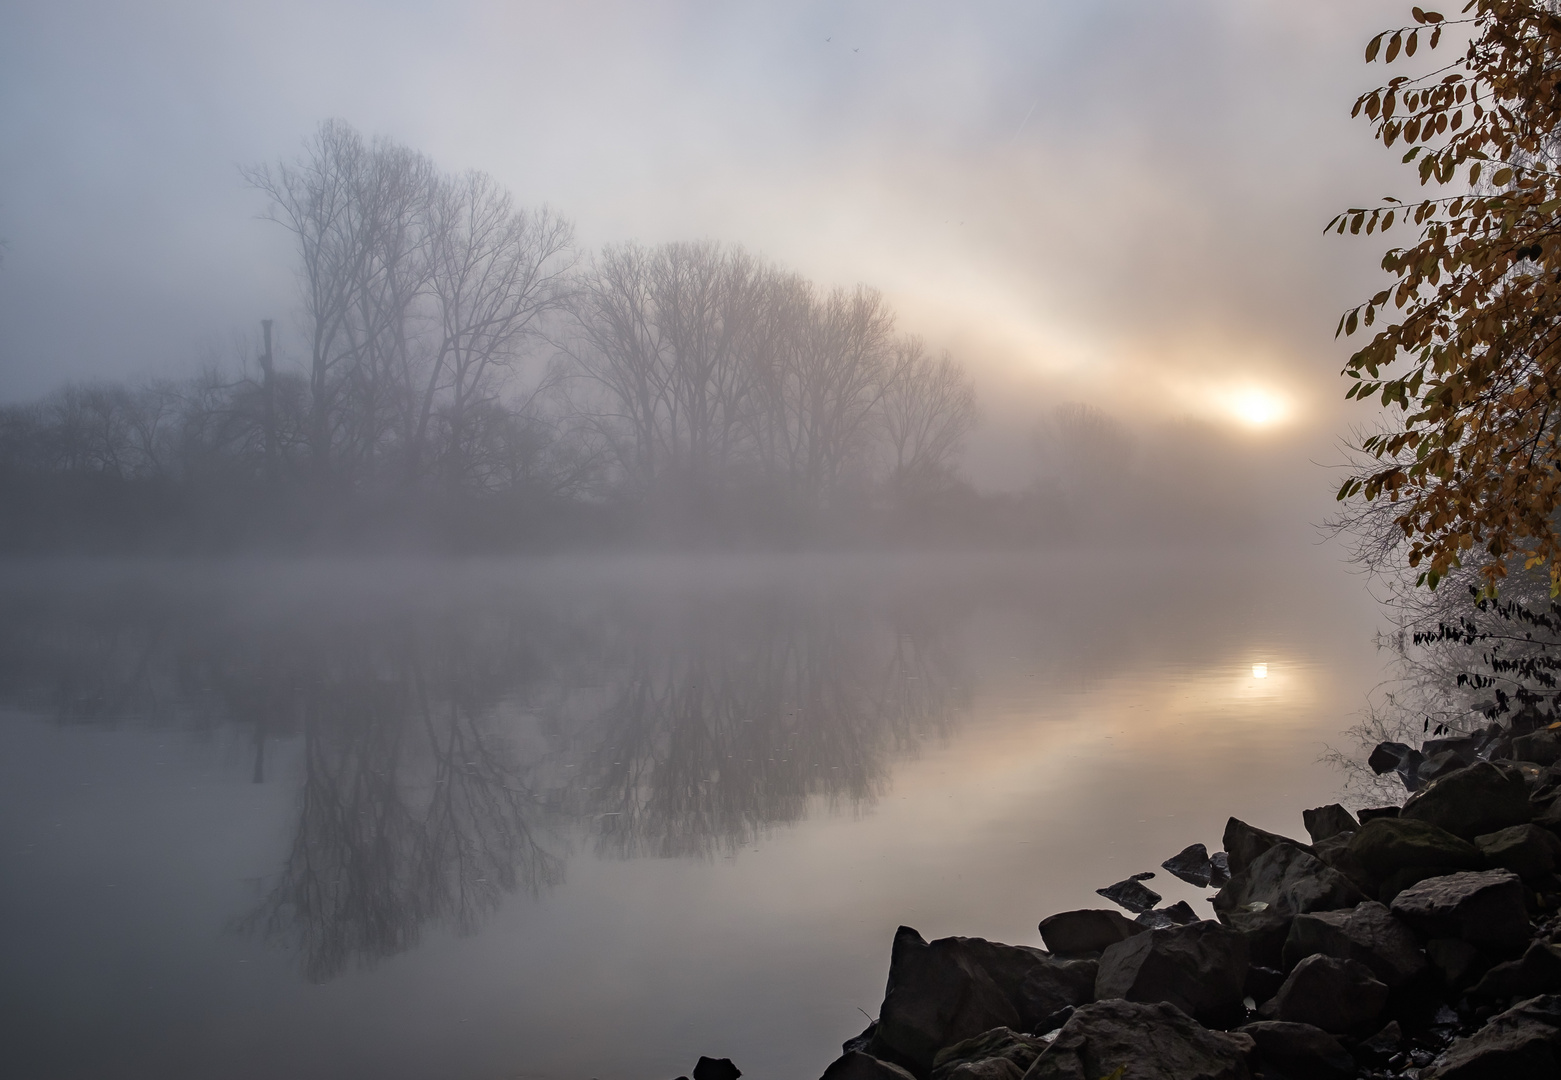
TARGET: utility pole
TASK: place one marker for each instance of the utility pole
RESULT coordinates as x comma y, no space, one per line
268,402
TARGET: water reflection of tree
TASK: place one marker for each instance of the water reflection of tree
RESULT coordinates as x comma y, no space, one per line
731,720
443,757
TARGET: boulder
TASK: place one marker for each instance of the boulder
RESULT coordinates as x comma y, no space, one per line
1484,908
1201,969
1387,756
999,1054
1331,851
1266,932
1219,869
938,994
1336,995
1542,747
1287,879
1439,765
707,1068
1371,813
1299,1050
1538,971
1522,1043
1145,1042
1367,933
1177,914
1049,990
1191,864
1460,963
855,1065
1384,846
1132,894
1527,850
1381,1047
1328,821
1087,931
1244,843
1467,802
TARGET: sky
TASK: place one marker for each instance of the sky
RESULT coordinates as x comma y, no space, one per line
1111,201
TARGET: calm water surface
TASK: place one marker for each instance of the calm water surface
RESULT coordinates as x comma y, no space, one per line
594,819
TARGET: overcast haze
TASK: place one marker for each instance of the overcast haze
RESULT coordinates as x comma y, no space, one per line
1113,202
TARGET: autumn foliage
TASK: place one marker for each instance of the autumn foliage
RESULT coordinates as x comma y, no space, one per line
1470,352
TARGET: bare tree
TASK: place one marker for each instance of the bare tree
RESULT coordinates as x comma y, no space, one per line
927,411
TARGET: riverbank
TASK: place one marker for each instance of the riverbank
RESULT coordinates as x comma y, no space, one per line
1419,941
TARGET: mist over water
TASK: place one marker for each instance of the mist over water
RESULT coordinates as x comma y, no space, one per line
298,818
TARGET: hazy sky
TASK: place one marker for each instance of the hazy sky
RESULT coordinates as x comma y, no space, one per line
1114,201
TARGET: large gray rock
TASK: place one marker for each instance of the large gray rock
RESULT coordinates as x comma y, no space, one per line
1468,802
1538,971
938,994
1050,988
1527,850
1459,963
1266,932
1132,894
1299,1050
709,1068
1199,968
855,1065
1087,931
1385,846
1484,908
1523,1043
1244,843
999,1054
1328,821
1339,996
1541,747
1287,879
1146,1042
1367,933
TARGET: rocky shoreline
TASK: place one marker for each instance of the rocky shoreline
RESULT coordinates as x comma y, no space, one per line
1418,941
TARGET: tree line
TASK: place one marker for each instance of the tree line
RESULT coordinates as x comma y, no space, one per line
458,354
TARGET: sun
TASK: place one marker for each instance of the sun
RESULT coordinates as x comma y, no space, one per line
1257,408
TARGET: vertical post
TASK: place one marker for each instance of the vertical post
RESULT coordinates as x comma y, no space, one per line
268,402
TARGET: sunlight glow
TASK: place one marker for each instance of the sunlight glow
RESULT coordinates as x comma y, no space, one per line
1257,408
1260,671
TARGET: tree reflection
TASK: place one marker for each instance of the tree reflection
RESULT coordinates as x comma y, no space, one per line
446,756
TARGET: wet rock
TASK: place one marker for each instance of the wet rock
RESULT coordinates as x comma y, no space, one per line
1088,931
1468,802
1146,1042
1336,995
1219,869
1288,879
1178,914
1541,747
1331,851
1527,850
1201,969
1367,933
999,1054
1523,1043
716,1069
938,994
1328,821
1537,972
1384,846
860,1042
1191,864
1244,843
1300,1050
855,1065
1438,766
1380,1048
1459,963
1131,894
1265,931
1371,813
1484,908
1142,875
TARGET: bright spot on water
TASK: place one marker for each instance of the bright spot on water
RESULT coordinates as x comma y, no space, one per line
1260,671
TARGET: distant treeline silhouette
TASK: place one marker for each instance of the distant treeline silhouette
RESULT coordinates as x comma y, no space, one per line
466,377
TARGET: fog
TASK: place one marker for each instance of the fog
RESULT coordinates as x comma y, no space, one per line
1109,204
